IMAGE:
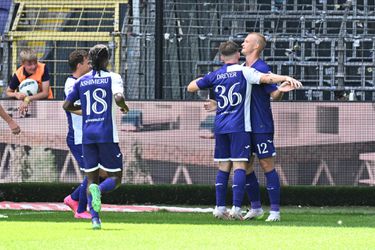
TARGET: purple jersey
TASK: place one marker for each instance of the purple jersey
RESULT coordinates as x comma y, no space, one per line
232,84
98,109
260,108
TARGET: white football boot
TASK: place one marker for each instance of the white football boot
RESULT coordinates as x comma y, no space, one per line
235,213
274,216
256,213
221,213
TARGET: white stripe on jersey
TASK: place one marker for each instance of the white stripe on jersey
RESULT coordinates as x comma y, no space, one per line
117,87
76,119
252,76
247,109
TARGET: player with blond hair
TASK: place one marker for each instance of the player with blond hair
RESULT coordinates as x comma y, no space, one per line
232,84
262,131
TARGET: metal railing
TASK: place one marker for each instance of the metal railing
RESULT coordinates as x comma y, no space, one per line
56,28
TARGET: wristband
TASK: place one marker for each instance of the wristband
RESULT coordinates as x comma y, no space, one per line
27,100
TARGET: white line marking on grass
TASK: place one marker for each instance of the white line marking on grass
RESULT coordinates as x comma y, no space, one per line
50,206
33,213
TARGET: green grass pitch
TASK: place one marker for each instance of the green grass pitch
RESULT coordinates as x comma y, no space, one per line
300,228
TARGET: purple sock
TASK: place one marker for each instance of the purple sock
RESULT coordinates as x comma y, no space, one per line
273,188
239,180
82,203
252,189
107,185
93,213
221,186
75,194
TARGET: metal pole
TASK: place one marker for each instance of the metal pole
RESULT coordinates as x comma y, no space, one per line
6,71
341,49
6,50
159,49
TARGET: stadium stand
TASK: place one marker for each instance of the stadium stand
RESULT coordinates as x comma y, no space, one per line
327,44
4,13
57,28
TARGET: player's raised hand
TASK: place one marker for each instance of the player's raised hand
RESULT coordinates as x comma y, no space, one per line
210,105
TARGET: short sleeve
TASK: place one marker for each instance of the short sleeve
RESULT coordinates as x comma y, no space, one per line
74,94
45,76
14,82
68,87
251,75
117,84
205,82
69,84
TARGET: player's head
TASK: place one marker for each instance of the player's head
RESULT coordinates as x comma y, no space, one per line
29,60
229,51
79,62
99,57
254,42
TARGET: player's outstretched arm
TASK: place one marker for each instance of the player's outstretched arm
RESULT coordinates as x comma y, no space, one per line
274,78
193,86
281,89
11,123
285,87
120,101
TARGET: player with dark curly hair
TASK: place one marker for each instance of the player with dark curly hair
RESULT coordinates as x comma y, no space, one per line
98,90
